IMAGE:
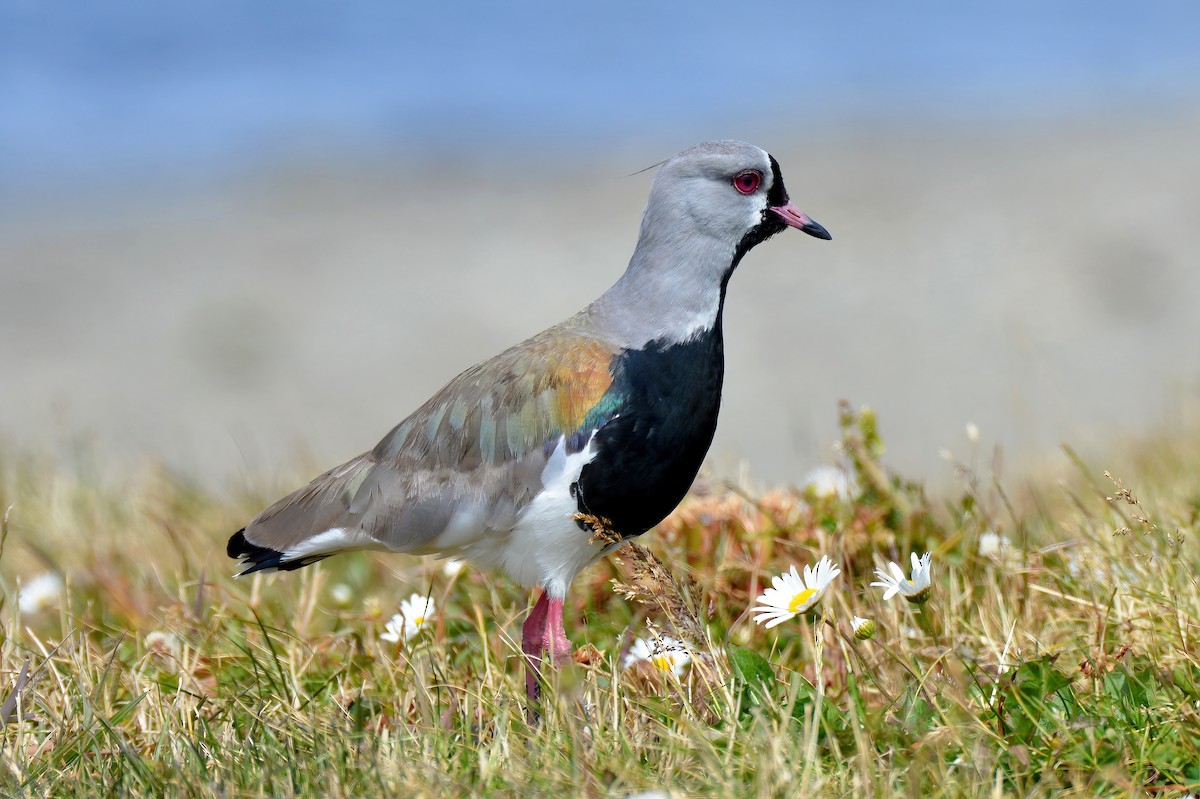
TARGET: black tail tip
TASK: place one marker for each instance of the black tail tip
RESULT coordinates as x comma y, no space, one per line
237,544
259,559
253,556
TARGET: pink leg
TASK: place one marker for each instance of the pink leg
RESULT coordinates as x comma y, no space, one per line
533,634
543,632
555,641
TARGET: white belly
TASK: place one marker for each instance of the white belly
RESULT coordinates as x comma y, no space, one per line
546,547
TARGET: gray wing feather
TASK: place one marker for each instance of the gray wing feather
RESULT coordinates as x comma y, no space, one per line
471,457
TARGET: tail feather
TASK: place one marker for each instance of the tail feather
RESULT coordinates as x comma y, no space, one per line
264,558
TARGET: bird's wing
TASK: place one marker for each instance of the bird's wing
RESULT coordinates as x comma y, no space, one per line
466,462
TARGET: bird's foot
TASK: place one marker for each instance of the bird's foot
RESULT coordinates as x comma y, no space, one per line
558,648
601,528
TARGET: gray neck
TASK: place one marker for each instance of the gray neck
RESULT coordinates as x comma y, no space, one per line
671,291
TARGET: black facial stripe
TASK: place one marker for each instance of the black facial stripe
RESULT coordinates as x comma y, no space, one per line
778,195
770,225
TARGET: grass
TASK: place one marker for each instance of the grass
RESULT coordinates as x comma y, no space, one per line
1063,663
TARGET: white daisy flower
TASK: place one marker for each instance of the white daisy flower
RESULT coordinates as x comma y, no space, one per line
163,643
864,629
414,616
453,567
341,594
827,482
39,593
666,655
915,589
993,545
789,595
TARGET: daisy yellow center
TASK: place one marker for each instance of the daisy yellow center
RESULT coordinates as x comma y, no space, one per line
662,663
800,600
418,621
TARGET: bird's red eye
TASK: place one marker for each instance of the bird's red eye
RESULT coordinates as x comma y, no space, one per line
747,182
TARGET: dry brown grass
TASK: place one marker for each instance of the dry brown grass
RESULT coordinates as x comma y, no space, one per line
1062,663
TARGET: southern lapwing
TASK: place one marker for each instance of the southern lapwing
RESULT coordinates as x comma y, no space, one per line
546,457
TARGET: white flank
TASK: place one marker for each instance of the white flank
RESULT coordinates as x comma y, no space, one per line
546,547
330,542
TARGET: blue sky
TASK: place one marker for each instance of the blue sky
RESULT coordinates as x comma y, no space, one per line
119,89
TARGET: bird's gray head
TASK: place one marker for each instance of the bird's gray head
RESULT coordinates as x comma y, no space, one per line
708,206
728,190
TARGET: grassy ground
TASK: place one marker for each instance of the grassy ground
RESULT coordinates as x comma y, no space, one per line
1059,659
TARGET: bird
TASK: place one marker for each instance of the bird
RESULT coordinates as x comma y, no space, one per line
546,457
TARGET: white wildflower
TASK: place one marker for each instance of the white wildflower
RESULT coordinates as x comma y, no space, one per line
415,613
665,654
453,567
791,595
163,643
39,593
828,482
994,545
341,594
864,629
915,589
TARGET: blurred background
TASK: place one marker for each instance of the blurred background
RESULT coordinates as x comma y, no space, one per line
238,235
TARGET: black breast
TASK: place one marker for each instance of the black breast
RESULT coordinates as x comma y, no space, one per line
647,457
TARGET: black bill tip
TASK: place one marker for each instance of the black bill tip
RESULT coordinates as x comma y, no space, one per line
794,217
816,230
